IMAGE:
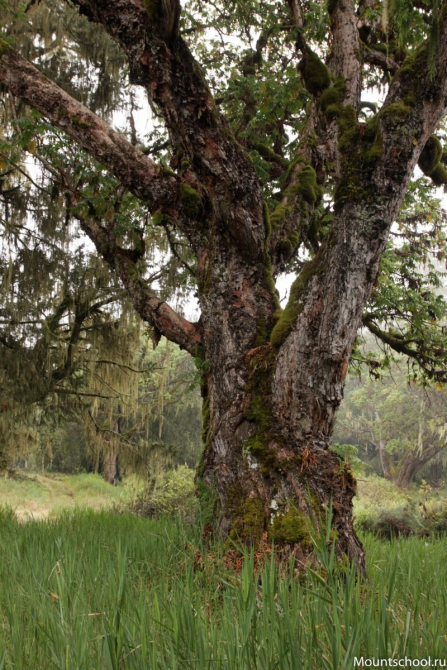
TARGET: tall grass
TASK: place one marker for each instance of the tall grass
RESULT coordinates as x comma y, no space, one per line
94,590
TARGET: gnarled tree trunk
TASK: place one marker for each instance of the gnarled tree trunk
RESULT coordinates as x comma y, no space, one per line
410,465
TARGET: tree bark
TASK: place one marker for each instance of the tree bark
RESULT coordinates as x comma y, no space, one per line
272,381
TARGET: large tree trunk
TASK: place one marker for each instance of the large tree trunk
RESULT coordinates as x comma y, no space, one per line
269,408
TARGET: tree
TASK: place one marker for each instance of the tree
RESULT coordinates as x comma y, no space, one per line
404,424
273,160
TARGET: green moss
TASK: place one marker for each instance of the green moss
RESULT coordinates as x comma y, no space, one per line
258,389
269,154
330,97
410,99
249,519
191,199
431,155
253,520
371,129
294,239
439,175
333,112
78,122
348,128
361,147
277,217
307,185
333,97
294,306
397,112
257,446
316,75
269,283
291,528
414,65
375,151
185,163
208,502
167,172
261,333
348,189
4,46
299,158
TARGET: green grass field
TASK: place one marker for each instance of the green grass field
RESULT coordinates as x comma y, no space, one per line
40,496
97,590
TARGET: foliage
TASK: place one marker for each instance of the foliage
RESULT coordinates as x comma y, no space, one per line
119,395
173,493
383,509
348,454
407,308
395,422
66,332
108,591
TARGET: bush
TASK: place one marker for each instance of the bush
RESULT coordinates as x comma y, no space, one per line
385,510
173,494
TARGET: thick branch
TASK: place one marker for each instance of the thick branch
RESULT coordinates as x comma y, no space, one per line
135,170
381,60
345,57
292,219
210,156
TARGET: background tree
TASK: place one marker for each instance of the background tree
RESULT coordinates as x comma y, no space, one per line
270,152
401,423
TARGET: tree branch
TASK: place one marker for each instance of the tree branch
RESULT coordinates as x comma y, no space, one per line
401,346
151,309
380,59
136,171
297,12
344,60
212,161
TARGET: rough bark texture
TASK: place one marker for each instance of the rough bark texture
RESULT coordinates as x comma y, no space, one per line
272,381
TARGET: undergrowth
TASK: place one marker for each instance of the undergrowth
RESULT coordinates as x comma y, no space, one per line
93,590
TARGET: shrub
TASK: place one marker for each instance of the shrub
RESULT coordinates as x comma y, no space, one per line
384,509
173,494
